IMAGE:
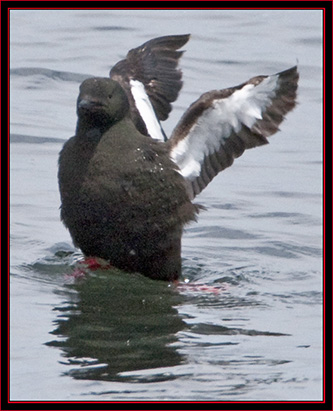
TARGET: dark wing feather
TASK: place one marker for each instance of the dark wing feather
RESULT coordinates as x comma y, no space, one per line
222,124
155,65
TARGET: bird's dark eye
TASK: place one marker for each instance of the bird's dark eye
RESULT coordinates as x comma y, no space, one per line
110,96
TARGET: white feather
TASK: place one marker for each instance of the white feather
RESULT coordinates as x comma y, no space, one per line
214,126
146,110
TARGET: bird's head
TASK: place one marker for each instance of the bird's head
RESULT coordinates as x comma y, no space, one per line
101,102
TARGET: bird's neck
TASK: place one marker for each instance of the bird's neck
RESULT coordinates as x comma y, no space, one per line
89,131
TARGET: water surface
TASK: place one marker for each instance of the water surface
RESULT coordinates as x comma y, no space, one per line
254,330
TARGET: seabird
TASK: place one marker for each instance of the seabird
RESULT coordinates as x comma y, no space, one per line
126,190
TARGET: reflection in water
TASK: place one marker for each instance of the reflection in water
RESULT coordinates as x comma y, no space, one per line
117,322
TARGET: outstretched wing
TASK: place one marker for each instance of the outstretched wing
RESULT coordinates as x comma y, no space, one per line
221,124
152,81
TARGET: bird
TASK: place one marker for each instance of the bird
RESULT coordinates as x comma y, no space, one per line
126,189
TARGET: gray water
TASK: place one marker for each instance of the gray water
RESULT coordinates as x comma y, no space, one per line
255,331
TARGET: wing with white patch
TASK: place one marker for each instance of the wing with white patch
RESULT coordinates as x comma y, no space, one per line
146,110
151,71
222,124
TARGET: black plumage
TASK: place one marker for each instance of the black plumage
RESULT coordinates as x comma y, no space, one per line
125,196
122,196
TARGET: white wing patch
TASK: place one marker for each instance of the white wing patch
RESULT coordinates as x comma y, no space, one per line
244,107
146,110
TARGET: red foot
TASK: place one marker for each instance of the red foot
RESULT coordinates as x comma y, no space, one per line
197,287
88,264
94,263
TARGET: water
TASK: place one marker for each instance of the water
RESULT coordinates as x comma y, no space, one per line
253,330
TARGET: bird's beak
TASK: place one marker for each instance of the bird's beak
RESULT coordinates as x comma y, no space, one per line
88,104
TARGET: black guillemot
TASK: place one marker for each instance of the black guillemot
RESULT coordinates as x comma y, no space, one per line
126,190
